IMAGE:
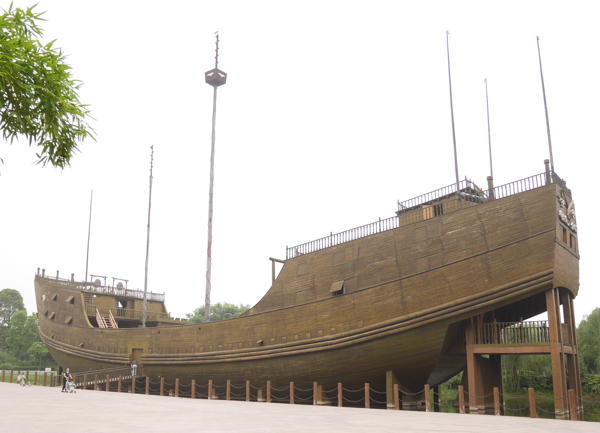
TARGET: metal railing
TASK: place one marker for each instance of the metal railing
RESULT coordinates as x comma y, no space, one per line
532,332
130,314
469,193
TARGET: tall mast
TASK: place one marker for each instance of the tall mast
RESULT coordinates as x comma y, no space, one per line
87,254
452,118
487,106
215,78
545,106
145,309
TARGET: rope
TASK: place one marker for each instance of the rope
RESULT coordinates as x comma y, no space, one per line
302,399
377,401
297,388
347,400
279,389
330,390
378,392
353,390
233,385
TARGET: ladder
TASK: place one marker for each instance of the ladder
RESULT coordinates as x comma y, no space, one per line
106,322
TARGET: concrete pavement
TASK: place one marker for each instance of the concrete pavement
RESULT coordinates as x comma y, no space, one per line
39,409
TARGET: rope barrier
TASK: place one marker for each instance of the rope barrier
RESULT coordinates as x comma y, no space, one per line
378,392
302,398
297,388
280,389
347,400
233,385
377,401
353,390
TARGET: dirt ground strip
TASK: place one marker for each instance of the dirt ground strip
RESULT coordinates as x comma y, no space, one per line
41,409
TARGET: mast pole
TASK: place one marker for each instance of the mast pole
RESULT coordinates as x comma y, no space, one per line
145,308
487,106
545,106
452,118
87,254
215,77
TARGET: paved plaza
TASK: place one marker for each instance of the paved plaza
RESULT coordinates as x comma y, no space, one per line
47,410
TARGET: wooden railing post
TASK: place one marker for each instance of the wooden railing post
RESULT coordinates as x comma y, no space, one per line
247,390
292,396
132,387
340,394
27,377
162,386
396,397
96,382
496,401
532,405
193,390
461,399
572,404
119,383
315,392
147,390
11,376
45,378
427,392
107,384
177,387
35,378
210,389
3,375
367,395
84,381
268,391
228,390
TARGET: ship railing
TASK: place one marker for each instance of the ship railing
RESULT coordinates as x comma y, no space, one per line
427,206
117,291
529,332
131,314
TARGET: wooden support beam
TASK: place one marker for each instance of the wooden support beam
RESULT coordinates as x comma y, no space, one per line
147,390
228,390
193,389
556,358
390,381
315,392
85,381
532,403
119,383
247,390
95,382
210,389
35,378
107,383
496,401
132,387
11,376
177,387
292,396
396,397
471,374
4,374
461,399
45,377
367,395
340,394
268,391
162,386
572,405
427,392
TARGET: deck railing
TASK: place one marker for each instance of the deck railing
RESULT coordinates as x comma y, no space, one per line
130,314
469,192
531,332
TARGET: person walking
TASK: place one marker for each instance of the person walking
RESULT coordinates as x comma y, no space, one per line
134,365
66,377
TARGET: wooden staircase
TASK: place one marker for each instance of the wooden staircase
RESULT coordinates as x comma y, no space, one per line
106,322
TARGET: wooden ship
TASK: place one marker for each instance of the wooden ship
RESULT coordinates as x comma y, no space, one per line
441,287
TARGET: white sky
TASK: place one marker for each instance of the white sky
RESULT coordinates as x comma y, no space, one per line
332,112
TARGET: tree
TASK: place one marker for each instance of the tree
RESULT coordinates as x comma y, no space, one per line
10,301
38,97
588,342
38,353
218,312
22,333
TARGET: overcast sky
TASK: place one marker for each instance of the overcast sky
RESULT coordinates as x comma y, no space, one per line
331,113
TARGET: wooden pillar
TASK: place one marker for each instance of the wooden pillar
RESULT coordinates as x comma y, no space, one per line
315,392
247,390
572,405
11,376
107,384
95,382
396,397
471,366
268,391
85,381
340,394
367,395
162,386
573,374
390,381
193,389
45,378
3,375
147,390
35,378
292,396
119,383
496,400
532,403
228,390
210,389
461,399
320,394
177,387
556,358
427,392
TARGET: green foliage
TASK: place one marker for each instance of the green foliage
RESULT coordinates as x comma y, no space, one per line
38,96
218,312
526,371
591,383
588,342
22,333
10,301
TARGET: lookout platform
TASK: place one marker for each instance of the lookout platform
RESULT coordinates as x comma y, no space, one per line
36,409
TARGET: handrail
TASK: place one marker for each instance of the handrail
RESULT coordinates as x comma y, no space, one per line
113,322
100,319
469,192
530,332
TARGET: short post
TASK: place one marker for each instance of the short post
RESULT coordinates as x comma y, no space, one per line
132,387
532,405
35,378
292,396
147,390
11,376
162,386
461,399
3,375
85,381
315,392
427,392
247,390
268,391
177,387
396,397
96,382
119,384
27,376
340,394
107,383
367,395
193,390
496,401
572,404
228,390
45,378
210,389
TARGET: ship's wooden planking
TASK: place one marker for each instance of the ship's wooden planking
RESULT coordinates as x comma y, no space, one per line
395,296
